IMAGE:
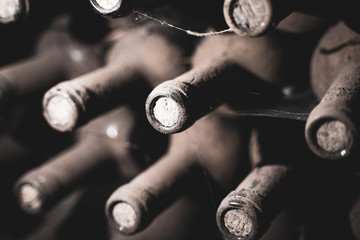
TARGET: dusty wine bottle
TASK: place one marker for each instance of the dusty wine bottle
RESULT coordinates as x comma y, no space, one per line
247,212
58,57
136,60
270,146
253,18
332,127
133,206
12,10
111,139
218,73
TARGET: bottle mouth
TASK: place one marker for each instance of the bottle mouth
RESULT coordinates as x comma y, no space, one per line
106,6
331,138
166,114
237,223
12,10
168,108
124,217
238,217
249,18
61,112
166,111
30,198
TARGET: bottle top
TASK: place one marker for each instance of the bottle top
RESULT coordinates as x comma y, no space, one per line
11,10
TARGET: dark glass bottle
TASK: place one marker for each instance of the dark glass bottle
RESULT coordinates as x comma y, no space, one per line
247,212
147,55
232,70
277,186
119,140
201,149
253,18
332,127
25,141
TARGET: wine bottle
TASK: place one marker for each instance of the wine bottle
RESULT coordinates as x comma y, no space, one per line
227,69
247,212
332,127
115,139
58,57
270,152
180,172
12,10
147,55
252,18
19,153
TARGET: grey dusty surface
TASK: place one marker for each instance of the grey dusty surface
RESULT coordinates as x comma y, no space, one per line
124,215
333,136
166,111
238,223
249,14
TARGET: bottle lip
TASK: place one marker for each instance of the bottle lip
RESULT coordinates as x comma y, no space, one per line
243,224
115,213
105,7
60,110
168,107
110,8
237,217
30,197
235,19
331,136
13,10
165,114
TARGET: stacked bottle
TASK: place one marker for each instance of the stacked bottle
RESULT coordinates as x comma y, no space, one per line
142,113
